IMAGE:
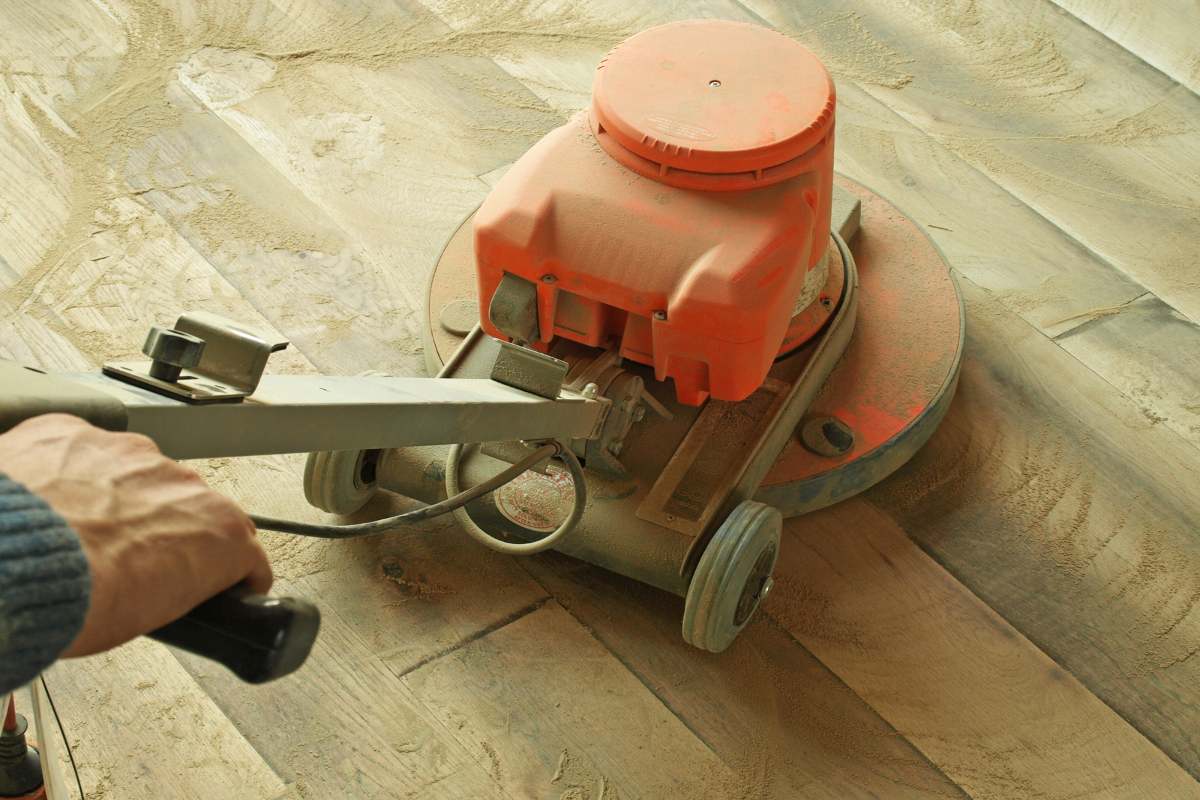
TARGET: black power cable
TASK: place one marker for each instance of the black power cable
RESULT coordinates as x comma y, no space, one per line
63,733
411,517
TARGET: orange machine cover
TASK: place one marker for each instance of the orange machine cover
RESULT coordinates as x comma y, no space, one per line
678,218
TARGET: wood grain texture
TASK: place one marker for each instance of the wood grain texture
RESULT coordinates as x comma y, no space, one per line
1069,122
784,723
1163,33
978,699
550,712
128,708
297,164
1071,513
343,724
1046,277
1145,349
422,592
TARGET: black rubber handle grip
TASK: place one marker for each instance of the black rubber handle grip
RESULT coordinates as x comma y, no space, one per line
260,638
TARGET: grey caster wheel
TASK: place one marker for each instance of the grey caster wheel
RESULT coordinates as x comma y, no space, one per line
732,577
340,481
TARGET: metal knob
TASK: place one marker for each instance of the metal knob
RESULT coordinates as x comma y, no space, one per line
171,352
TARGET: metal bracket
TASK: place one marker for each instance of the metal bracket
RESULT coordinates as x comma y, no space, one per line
514,310
230,365
528,370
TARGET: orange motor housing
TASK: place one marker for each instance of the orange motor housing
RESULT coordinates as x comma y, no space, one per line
684,217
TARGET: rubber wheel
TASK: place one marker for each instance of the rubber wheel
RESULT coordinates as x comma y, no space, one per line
340,481
732,577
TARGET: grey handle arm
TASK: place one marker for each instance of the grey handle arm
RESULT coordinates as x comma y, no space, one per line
26,393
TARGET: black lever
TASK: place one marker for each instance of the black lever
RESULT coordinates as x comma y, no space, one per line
260,638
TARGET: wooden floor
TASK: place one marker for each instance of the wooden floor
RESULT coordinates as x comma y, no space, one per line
1015,614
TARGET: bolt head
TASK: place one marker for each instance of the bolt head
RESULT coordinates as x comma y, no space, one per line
661,316
173,347
826,436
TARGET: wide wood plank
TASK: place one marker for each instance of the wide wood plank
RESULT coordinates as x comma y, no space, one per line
550,712
420,592
1152,354
49,53
140,727
1162,33
784,724
1049,279
343,723
1071,513
1066,120
976,697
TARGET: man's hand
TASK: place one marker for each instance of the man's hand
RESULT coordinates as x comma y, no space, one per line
158,540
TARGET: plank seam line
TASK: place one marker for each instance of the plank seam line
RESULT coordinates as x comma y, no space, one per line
224,715
630,669
1032,641
1067,12
778,626
348,241
1052,222
633,671
944,149
933,556
1055,341
476,636
1116,310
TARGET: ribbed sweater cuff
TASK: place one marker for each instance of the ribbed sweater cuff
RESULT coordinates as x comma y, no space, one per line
44,585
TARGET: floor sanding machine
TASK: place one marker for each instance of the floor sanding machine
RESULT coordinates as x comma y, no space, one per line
667,327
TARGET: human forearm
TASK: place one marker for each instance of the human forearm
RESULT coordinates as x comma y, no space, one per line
157,541
44,585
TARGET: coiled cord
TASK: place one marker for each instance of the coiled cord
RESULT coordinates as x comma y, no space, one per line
518,548
455,501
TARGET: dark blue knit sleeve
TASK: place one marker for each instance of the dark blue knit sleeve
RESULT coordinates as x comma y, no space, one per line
44,585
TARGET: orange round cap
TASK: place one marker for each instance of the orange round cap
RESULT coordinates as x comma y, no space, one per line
713,96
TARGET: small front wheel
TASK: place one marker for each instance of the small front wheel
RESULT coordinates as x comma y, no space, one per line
732,577
340,481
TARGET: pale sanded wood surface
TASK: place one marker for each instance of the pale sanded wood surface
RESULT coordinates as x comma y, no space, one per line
1015,614
1162,33
152,705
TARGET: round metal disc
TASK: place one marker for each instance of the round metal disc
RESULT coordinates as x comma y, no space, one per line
895,381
